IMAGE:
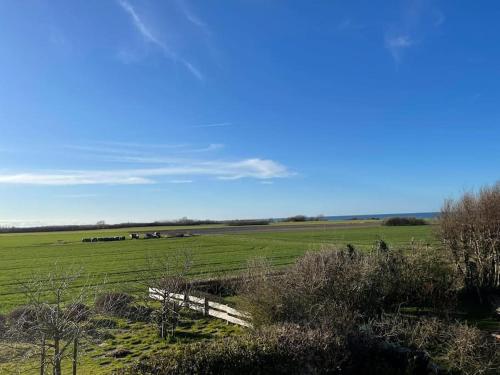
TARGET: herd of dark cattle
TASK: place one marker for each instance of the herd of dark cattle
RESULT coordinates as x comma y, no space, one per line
133,236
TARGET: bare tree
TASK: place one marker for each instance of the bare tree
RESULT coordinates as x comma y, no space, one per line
55,319
167,274
470,229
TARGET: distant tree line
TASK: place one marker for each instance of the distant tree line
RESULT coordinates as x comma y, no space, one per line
103,225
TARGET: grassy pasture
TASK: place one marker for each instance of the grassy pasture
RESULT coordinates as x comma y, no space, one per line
120,262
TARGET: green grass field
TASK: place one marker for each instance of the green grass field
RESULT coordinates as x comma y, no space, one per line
121,262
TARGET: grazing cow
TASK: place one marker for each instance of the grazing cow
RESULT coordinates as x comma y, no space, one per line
134,236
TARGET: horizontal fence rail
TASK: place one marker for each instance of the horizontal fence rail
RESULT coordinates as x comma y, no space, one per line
203,305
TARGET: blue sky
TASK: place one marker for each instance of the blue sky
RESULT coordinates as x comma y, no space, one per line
128,110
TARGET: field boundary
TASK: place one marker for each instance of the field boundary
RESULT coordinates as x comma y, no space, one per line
205,306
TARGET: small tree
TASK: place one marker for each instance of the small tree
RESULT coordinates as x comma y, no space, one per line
470,230
166,275
55,319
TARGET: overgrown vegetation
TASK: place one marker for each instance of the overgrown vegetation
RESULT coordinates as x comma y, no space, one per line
342,311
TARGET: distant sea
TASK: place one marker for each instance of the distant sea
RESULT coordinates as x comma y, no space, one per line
420,215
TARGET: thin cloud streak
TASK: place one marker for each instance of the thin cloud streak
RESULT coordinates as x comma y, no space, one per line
149,36
142,28
180,181
248,168
216,125
191,16
123,151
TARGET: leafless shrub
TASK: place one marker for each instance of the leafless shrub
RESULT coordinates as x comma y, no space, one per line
469,351
113,303
460,347
470,230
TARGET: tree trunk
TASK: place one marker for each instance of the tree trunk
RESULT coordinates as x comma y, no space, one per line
75,354
42,357
57,356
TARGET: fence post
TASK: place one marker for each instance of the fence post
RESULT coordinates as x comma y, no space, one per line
206,307
186,299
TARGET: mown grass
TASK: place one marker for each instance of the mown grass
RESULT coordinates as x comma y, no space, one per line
121,263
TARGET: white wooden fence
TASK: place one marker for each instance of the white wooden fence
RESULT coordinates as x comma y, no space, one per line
205,306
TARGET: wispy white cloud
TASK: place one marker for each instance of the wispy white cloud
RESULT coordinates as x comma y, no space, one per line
68,178
396,44
210,147
180,181
191,16
247,168
142,27
417,18
150,37
146,145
